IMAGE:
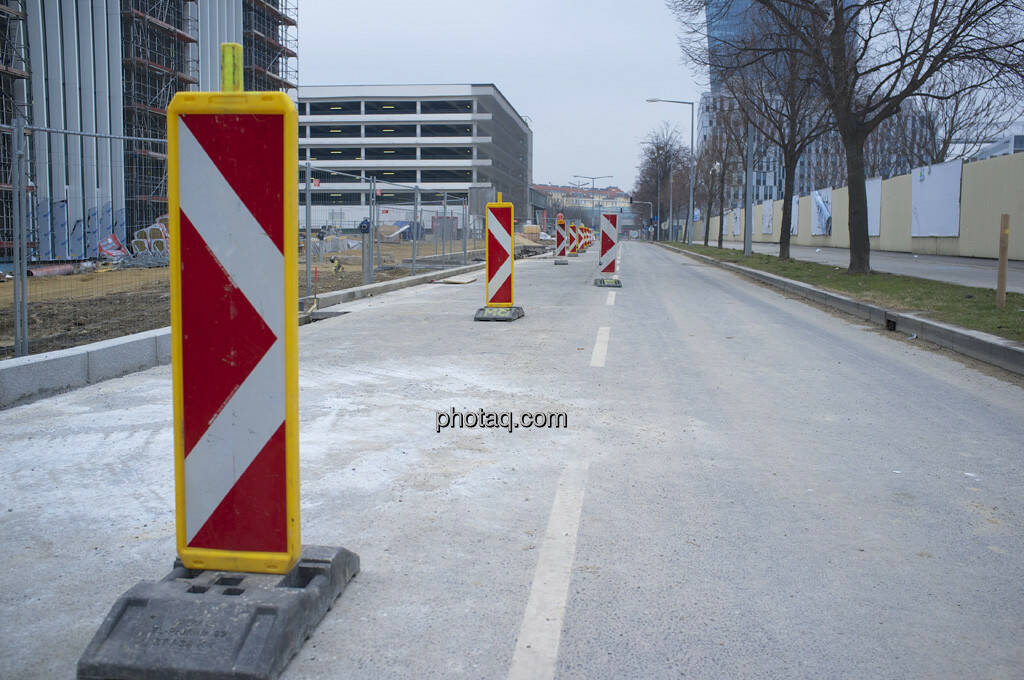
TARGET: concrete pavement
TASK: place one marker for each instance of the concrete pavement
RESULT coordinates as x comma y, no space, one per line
967,271
748,487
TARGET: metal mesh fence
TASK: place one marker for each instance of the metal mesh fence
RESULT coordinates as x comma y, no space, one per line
93,231
363,235
88,272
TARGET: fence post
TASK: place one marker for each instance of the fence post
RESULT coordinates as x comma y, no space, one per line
20,246
309,231
444,228
368,237
465,231
1004,252
376,234
416,217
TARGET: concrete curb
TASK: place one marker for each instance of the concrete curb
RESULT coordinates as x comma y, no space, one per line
24,379
349,294
39,375
986,347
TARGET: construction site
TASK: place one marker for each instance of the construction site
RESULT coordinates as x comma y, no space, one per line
94,178
13,73
161,57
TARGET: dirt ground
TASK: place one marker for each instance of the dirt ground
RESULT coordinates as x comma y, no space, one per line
70,310
65,311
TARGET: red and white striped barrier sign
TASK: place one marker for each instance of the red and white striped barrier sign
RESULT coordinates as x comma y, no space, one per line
232,182
560,239
574,238
609,242
499,222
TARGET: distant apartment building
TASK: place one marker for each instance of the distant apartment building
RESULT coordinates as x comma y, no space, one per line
462,141
101,73
607,198
583,201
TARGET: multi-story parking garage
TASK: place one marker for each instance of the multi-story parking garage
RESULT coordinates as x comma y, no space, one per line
466,141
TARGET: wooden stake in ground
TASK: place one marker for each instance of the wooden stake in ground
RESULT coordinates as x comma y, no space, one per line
1004,250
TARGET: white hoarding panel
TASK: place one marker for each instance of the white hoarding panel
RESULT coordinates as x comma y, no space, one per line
874,189
935,200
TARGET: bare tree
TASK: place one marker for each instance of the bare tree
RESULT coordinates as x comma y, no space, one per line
950,121
729,163
661,152
868,57
783,105
707,166
679,188
571,213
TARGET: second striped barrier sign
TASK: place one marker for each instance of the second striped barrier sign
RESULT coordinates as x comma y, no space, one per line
560,240
609,251
499,295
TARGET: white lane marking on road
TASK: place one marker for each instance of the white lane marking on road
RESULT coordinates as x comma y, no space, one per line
600,346
540,633
611,298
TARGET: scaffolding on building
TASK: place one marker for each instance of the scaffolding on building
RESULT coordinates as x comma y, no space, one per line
13,69
270,41
157,39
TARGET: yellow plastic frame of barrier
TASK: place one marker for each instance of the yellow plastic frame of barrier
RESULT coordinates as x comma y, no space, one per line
256,103
511,255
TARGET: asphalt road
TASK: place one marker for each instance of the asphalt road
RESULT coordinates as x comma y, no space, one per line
978,272
748,487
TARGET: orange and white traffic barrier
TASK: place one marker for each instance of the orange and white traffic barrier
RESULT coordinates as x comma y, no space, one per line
609,243
574,240
499,291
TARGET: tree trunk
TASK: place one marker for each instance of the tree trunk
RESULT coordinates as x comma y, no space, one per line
707,215
787,205
721,206
860,247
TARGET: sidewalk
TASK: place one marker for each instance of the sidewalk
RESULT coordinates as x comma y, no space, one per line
966,271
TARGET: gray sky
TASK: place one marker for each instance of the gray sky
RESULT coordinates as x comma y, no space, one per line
580,71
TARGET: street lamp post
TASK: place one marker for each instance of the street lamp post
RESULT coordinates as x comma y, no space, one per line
579,187
650,208
593,201
689,215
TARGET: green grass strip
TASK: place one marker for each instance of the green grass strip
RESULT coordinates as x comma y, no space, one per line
964,306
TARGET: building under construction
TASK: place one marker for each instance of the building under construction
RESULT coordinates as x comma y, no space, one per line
13,76
102,73
162,56
270,44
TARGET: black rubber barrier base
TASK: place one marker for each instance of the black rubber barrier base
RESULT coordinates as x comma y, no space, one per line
561,261
217,625
499,314
608,283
